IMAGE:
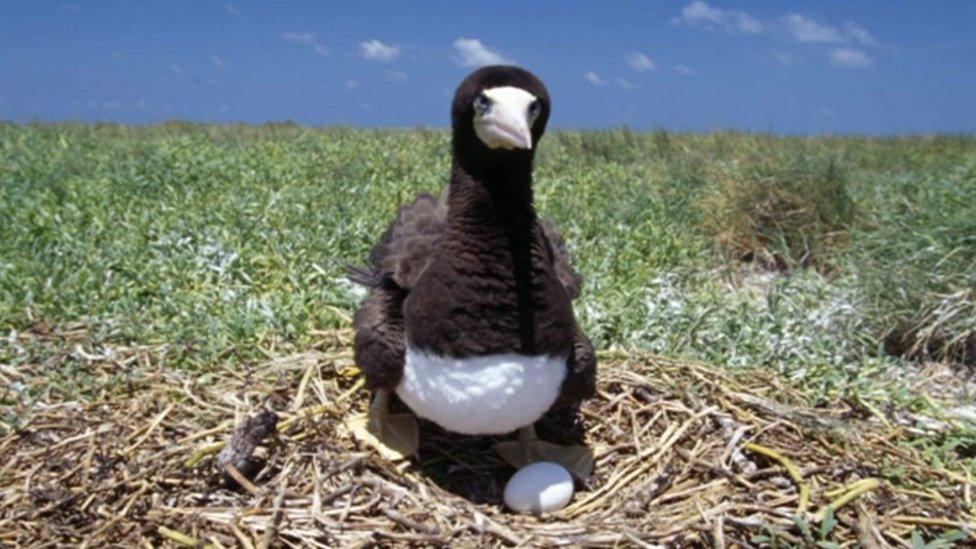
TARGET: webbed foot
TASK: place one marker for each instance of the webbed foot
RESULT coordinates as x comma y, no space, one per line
394,436
578,460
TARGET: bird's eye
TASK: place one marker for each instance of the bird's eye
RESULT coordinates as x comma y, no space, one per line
481,103
534,109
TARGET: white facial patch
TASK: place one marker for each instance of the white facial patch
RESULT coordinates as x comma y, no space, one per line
506,121
481,395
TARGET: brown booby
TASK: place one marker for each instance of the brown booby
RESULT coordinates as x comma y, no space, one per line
469,319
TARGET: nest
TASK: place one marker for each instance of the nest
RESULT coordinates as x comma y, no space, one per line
686,455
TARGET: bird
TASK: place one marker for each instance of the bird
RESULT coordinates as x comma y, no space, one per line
469,317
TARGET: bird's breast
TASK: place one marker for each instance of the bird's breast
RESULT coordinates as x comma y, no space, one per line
483,311
490,394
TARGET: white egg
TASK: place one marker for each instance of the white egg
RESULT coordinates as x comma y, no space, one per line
540,487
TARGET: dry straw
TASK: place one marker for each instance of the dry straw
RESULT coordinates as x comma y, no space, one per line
686,456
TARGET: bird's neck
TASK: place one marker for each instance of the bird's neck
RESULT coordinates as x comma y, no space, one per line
490,215
492,199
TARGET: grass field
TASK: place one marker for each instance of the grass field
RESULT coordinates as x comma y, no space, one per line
219,240
845,265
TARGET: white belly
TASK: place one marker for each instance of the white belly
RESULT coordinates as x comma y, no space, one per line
481,395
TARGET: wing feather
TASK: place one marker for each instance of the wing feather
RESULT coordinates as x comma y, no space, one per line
570,279
407,246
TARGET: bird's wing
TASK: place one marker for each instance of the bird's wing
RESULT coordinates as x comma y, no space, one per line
556,244
407,245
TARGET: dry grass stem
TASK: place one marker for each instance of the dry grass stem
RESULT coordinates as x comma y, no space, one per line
686,456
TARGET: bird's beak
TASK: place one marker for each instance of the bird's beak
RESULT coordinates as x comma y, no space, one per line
506,124
509,128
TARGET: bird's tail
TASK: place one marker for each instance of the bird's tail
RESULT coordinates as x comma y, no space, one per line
364,276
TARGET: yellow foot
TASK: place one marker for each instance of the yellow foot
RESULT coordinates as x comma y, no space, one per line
394,436
578,460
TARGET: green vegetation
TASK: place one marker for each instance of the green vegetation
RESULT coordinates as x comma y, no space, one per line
784,213
829,259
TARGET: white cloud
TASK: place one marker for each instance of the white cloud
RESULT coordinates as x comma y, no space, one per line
232,9
623,83
850,59
804,29
472,53
699,13
594,78
177,69
307,38
351,84
858,34
378,51
640,62
111,106
785,58
301,37
397,76
684,69
797,26
217,60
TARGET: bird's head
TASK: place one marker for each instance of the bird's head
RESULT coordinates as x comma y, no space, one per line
500,109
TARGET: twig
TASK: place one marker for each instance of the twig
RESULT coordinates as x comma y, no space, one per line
152,426
203,452
179,537
794,473
352,390
718,533
302,386
239,477
276,516
853,492
407,522
929,521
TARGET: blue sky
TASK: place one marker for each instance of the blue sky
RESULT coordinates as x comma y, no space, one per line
874,67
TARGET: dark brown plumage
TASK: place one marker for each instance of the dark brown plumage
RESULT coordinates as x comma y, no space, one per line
474,272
